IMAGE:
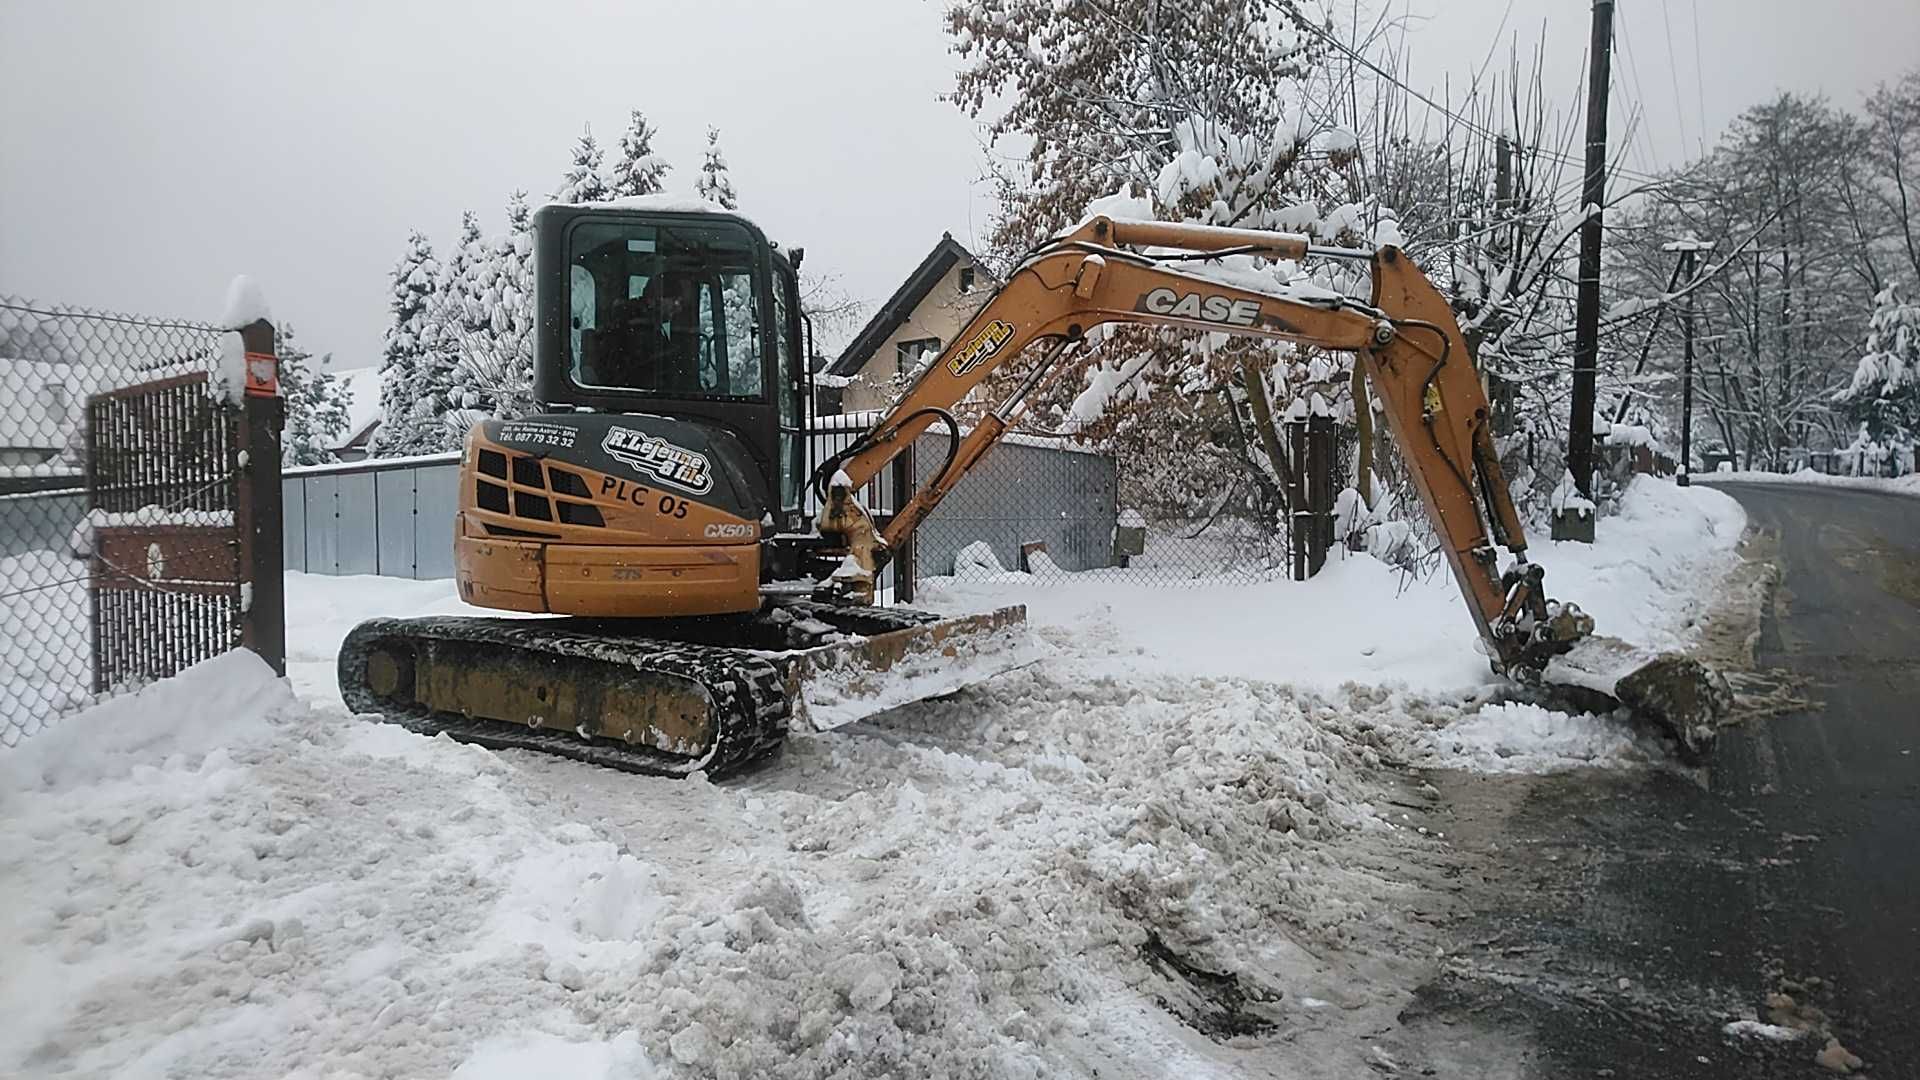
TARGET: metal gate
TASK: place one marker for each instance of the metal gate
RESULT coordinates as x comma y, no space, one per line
162,488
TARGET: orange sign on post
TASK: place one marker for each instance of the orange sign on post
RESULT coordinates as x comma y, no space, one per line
263,375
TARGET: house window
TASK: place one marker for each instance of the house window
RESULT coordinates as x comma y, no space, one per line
909,355
966,279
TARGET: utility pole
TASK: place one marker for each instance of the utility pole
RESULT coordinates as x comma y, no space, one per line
1689,250
1586,341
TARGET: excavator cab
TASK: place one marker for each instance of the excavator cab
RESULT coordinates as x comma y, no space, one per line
688,314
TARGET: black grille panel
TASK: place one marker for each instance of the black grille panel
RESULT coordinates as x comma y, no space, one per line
528,505
490,496
526,473
580,514
567,483
523,495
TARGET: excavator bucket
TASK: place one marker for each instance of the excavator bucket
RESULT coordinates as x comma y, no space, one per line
1675,692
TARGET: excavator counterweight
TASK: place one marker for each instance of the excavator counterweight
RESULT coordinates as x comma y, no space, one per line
708,596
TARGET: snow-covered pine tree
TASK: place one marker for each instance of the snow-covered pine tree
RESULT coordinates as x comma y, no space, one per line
639,170
409,339
714,183
496,364
583,182
315,401
1884,397
460,306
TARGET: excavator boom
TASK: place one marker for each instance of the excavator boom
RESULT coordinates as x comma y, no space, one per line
1410,349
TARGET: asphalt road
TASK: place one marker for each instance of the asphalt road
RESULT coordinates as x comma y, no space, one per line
1630,916
1847,618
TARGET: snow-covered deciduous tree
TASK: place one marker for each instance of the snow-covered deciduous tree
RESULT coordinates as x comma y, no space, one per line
1884,397
1893,147
1197,104
410,340
315,401
640,171
583,182
713,183
1194,112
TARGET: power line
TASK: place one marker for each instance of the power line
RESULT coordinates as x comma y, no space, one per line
1699,86
1470,125
1636,124
1673,71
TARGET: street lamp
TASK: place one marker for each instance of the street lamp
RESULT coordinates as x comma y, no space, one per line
1689,250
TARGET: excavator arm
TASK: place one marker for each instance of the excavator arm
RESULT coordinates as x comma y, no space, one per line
1406,339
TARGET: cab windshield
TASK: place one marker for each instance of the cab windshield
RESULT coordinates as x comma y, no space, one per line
664,308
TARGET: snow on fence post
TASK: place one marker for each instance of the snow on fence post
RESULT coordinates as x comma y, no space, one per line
258,509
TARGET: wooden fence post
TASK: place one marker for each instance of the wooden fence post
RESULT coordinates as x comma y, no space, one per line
903,559
258,512
1319,469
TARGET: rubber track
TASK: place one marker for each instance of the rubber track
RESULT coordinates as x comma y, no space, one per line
748,692
747,688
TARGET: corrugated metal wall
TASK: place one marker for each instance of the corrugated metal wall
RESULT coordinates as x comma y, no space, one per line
388,518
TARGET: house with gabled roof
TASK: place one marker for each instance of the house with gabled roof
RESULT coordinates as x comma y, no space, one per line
923,316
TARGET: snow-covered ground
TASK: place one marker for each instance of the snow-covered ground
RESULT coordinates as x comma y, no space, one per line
1363,621
1899,485
225,875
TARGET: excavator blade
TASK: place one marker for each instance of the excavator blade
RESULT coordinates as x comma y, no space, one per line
846,681
1681,695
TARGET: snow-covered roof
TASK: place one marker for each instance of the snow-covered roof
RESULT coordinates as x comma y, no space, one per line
44,401
362,389
39,406
901,305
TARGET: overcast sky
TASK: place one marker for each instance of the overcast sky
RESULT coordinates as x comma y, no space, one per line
150,151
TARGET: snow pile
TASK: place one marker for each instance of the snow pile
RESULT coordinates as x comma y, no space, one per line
1517,737
1898,485
1631,435
246,304
1645,579
174,719
1655,563
222,881
46,662
1648,579
516,1057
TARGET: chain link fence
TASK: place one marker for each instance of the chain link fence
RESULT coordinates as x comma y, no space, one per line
1055,508
118,556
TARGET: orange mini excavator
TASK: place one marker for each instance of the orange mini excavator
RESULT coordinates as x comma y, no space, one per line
660,501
